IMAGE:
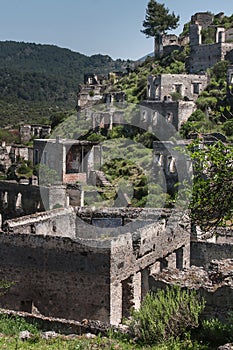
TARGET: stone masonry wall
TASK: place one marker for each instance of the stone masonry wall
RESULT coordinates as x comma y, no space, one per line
18,199
215,285
206,55
201,253
58,222
166,84
58,276
135,255
99,273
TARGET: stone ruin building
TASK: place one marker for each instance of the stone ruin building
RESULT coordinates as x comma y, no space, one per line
77,262
160,112
73,160
81,262
168,43
95,90
9,154
205,55
29,131
189,86
91,91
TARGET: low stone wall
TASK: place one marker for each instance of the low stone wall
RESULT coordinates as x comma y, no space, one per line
63,326
201,253
57,222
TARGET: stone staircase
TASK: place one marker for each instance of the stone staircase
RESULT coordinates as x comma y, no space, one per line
99,179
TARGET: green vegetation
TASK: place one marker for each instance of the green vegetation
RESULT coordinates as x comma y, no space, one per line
215,333
212,203
214,110
224,21
167,320
167,314
135,84
37,81
11,326
20,169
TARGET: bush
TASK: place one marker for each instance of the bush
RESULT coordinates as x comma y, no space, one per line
228,127
167,314
198,115
214,332
176,96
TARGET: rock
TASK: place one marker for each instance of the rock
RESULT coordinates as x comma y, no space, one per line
25,335
49,335
71,337
226,347
89,336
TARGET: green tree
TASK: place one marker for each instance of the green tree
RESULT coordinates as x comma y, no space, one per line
212,202
158,21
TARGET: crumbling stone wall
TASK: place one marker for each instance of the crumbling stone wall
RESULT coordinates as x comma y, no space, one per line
207,55
58,222
98,274
201,253
59,276
9,154
164,118
203,56
27,131
204,19
214,284
18,199
143,241
164,85
133,259
171,165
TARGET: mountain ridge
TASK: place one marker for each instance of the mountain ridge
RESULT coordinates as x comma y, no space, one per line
45,77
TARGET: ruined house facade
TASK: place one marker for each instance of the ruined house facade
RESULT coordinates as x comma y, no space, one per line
79,263
91,91
85,263
162,114
188,86
166,43
9,154
203,56
19,199
73,160
29,131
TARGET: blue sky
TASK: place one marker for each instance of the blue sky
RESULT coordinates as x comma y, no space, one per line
92,26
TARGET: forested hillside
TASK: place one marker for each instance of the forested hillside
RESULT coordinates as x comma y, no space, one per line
38,80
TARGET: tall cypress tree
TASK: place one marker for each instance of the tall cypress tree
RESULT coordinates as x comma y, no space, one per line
158,21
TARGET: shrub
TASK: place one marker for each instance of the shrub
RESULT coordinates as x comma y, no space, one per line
166,314
228,127
198,115
176,96
215,332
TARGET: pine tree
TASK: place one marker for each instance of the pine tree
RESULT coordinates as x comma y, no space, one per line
158,21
